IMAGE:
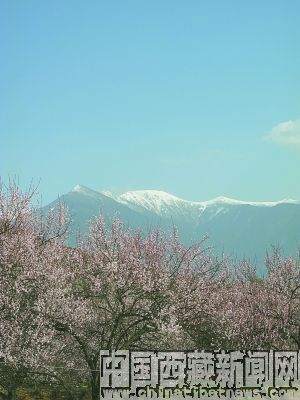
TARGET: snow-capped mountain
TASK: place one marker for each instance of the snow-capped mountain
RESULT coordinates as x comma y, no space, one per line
163,203
240,228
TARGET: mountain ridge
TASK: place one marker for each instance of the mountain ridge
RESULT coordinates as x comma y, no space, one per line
162,196
239,228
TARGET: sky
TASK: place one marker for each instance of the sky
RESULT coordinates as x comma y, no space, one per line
199,98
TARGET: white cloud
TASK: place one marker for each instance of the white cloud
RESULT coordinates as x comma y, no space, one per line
286,133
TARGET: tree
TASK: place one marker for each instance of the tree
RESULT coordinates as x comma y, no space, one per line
117,290
121,289
25,239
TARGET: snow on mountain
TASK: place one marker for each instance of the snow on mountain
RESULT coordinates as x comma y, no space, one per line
85,191
228,201
156,201
242,228
165,204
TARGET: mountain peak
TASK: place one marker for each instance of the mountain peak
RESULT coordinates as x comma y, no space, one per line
153,200
229,222
79,188
85,191
162,202
150,194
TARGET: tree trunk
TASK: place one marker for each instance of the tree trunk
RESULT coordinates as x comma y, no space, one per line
95,384
11,394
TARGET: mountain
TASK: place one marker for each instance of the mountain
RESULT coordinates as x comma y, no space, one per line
240,228
84,204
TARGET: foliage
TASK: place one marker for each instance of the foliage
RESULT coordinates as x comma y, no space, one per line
121,289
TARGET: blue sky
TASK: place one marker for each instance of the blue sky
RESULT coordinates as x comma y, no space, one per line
197,98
